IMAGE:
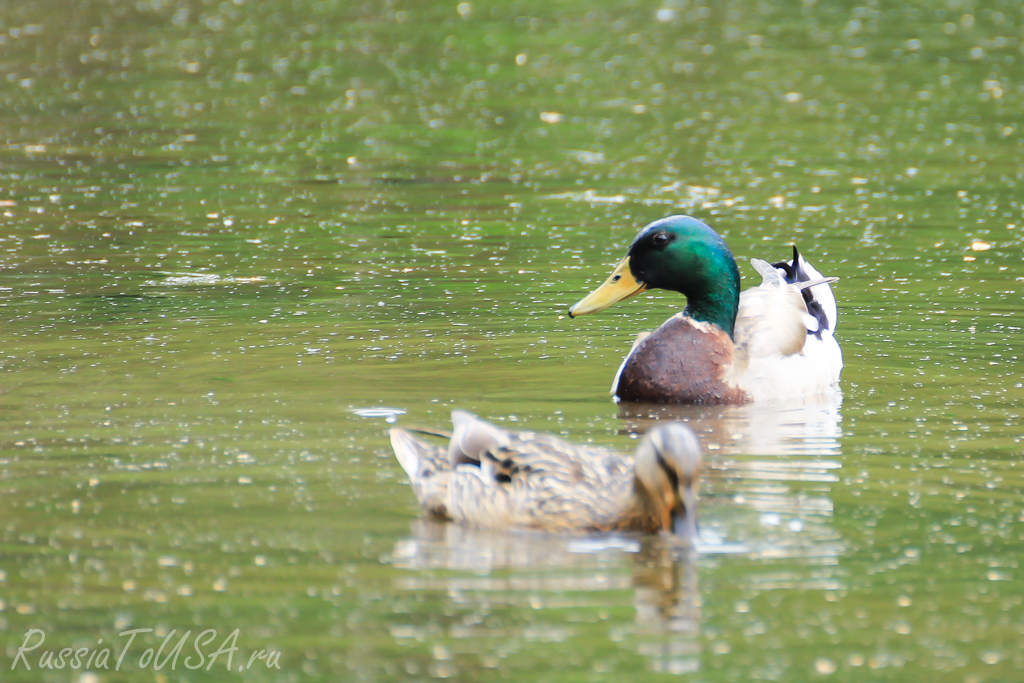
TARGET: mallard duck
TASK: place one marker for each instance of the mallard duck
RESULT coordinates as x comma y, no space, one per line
774,341
490,477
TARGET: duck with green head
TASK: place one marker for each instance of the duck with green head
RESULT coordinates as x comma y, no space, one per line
774,341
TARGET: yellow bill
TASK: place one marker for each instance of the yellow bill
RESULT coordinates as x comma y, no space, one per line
619,286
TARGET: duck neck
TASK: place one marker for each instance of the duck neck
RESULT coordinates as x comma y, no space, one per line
712,287
707,275
718,306
644,510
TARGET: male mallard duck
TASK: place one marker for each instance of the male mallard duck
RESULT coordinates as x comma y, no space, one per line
773,341
489,477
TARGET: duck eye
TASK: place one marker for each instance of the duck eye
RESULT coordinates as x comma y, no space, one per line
660,239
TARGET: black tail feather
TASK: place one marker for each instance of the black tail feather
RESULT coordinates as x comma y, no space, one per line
794,274
440,433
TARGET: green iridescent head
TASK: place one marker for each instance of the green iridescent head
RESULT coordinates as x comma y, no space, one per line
680,254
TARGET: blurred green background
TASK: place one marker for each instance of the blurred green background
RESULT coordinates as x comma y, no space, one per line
230,228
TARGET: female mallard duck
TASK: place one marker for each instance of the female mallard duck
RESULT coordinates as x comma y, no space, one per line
489,477
773,341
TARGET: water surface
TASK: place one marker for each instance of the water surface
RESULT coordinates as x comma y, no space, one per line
230,229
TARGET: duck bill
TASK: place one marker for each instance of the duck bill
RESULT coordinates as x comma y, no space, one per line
684,520
619,286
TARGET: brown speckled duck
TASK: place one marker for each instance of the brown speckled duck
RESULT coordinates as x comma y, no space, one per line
489,477
772,342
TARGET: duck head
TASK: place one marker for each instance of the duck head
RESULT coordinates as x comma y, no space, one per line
680,254
667,462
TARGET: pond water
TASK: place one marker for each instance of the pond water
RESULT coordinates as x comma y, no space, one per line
241,238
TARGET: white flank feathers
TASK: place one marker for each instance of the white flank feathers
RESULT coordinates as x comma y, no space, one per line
779,354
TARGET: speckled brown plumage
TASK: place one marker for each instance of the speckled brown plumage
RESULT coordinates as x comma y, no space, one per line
538,481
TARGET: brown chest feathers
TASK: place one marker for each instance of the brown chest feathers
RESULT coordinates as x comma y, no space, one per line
683,361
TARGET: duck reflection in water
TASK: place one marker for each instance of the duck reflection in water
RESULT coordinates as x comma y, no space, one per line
808,426
770,467
488,571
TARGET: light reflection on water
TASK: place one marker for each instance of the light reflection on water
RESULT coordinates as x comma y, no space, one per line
390,415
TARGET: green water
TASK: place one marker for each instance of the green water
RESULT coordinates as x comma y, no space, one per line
229,226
